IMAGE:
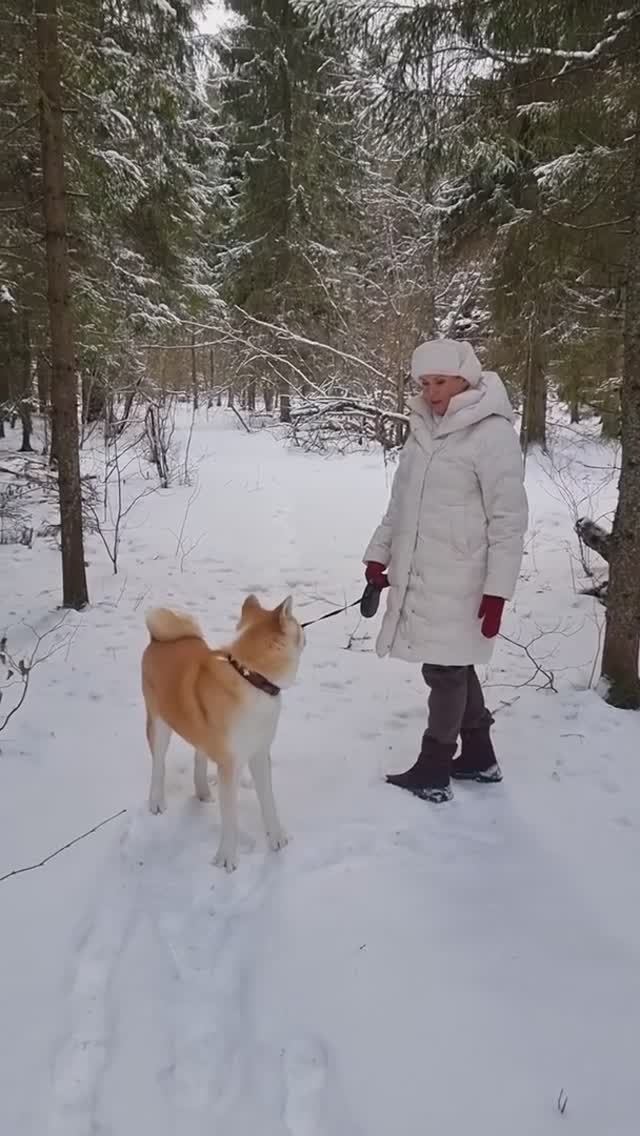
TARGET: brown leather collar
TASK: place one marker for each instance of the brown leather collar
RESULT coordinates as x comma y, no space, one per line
257,680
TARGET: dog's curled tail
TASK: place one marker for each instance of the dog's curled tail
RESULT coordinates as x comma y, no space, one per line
167,626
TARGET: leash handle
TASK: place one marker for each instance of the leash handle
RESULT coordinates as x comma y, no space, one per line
370,601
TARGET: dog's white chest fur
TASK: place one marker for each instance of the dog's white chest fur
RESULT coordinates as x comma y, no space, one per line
255,728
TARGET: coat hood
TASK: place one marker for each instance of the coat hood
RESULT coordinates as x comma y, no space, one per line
488,398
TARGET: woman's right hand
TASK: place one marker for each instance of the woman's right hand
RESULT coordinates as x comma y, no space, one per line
375,574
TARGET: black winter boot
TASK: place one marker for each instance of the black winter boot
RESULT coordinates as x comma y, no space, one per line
477,761
429,777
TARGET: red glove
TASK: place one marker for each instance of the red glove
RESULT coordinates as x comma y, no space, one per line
376,575
490,613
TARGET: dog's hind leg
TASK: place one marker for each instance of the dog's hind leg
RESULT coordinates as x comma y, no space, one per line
200,779
227,854
158,736
260,767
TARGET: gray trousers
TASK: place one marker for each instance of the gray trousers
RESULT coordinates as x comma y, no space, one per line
456,702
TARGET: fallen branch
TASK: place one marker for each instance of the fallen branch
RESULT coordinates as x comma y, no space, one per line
336,406
348,418
52,855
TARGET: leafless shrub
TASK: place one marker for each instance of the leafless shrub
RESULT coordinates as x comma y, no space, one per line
16,670
15,526
160,427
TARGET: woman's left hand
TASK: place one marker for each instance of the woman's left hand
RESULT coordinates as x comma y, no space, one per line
490,613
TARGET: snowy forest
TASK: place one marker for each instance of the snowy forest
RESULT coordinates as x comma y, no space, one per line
274,215
224,230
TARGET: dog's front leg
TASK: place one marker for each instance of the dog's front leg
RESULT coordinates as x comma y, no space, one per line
260,766
227,854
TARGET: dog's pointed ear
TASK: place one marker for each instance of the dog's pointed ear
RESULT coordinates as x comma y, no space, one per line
250,608
285,611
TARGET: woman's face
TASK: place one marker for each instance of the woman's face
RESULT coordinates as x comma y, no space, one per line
438,390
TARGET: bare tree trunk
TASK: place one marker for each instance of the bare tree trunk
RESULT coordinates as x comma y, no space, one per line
44,382
212,371
94,398
285,401
622,634
130,398
24,403
194,373
533,428
5,397
574,404
400,397
64,395
285,187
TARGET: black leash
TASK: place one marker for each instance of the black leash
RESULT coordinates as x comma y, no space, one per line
368,604
330,614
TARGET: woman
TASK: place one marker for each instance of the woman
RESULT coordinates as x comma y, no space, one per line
449,548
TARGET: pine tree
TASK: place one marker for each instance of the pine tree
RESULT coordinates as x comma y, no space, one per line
143,160
290,155
63,382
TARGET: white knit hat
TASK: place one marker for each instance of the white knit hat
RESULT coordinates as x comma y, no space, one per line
446,357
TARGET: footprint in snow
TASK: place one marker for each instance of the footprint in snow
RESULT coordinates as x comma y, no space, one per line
313,1102
305,1080
402,716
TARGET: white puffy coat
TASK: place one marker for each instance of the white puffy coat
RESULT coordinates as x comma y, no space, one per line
454,528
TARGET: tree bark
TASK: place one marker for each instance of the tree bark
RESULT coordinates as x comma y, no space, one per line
574,405
211,381
94,398
286,159
285,400
44,382
400,401
24,404
533,429
64,395
622,634
195,391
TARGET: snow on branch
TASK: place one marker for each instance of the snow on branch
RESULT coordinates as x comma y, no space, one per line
283,332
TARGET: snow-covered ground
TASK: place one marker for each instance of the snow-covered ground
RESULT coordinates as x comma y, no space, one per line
399,968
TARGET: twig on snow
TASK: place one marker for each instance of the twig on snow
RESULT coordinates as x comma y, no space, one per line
549,676
52,855
505,705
